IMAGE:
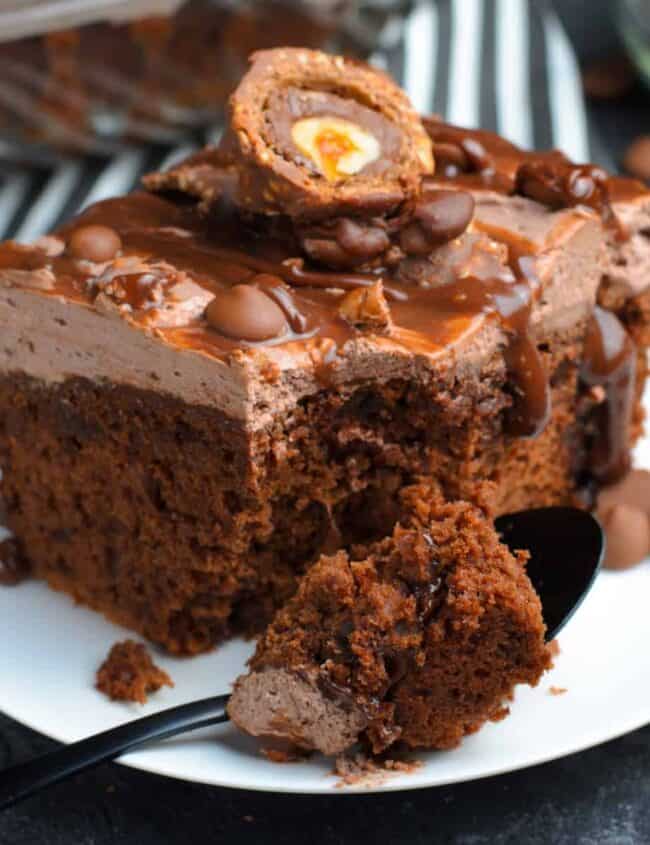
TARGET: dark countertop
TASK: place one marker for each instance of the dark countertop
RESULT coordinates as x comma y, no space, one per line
599,796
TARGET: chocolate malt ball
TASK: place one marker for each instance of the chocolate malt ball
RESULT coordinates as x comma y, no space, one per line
628,536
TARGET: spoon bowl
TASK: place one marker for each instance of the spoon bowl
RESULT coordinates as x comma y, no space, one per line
566,547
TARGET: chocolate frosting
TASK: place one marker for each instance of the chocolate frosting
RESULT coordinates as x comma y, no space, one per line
165,245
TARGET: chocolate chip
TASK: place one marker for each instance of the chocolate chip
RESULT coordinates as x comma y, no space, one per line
628,536
440,217
245,313
360,240
275,288
637,158
558,183
445,214
345,243
414,241
478,156
539,182
609,78
448,155
94,243
326,251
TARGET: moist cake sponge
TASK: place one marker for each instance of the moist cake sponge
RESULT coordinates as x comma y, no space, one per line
417,640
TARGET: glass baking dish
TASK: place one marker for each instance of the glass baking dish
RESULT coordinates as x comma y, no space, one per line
91,75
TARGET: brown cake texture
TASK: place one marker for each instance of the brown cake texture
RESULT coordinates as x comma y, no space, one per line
201,396
417,639
129,673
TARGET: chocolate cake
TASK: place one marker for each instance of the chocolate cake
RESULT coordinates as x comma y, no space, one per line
417,639
129,674
208,385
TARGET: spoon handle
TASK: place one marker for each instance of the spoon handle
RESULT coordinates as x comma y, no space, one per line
23,780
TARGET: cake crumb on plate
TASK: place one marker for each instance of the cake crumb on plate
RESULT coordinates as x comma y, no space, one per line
359,769
281,752
129,673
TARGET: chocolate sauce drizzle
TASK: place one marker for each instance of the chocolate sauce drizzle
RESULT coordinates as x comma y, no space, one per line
609,363
475,158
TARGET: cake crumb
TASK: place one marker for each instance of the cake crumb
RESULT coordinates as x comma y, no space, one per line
557,690
554,648
502,713
278,751
358,769
13,566
129,673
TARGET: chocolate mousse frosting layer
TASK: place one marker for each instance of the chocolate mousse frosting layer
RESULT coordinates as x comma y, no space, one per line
252,319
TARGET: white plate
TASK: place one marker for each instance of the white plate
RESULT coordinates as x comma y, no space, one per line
51,650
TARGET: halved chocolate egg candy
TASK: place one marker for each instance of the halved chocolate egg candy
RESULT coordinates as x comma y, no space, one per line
316,135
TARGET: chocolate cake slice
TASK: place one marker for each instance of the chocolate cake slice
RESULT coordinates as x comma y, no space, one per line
417,640
201,394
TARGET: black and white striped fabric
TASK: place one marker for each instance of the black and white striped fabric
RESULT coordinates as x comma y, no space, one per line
505,65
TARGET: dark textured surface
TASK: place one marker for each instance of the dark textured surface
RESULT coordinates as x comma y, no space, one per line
600,796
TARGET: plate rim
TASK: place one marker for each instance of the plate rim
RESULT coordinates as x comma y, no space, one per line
332,785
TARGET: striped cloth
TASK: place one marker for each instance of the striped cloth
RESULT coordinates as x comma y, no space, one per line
505,65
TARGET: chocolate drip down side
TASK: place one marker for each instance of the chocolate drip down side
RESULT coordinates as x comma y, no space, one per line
609,367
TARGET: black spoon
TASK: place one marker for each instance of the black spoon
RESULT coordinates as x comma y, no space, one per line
566,547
